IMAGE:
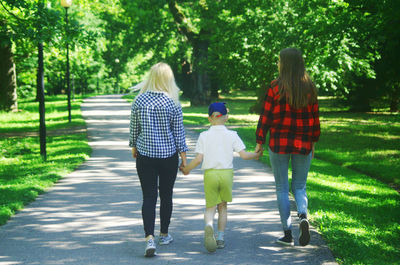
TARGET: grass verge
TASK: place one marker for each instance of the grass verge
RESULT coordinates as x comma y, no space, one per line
356,214
23,173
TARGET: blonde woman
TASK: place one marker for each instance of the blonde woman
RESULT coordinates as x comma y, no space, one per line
157,136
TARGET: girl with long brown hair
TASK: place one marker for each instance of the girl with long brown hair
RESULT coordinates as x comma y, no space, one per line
290,115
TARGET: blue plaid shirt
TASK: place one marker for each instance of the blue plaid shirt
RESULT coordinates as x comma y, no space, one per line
156,127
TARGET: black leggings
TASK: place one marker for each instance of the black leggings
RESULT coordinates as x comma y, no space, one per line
155,172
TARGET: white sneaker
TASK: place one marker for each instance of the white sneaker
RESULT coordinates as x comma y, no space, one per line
209,239
165,240
150,250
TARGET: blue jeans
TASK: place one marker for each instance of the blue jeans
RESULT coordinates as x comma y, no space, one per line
280,167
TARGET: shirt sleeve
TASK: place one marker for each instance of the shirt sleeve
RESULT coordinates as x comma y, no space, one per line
238,144
266,119
316,130
178,130
200,145
134,127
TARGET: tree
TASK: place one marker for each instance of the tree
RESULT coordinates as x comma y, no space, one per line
8,81
201,92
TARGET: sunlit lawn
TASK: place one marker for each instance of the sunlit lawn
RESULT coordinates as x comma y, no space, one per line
23,173
27,118
350,201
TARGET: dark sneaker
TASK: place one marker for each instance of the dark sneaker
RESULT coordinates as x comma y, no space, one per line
220,244
287,240
165,240
209,239
304,234
150,250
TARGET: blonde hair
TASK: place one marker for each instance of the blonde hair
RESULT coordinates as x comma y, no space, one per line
161,79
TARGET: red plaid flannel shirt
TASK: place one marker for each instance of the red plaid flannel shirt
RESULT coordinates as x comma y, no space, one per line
291,131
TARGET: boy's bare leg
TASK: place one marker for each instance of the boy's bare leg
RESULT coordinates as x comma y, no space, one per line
222,219
209,238
209,215
222,216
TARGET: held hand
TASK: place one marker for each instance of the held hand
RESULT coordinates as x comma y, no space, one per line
259,149
184,170
184,160
134,152
258,155
183,164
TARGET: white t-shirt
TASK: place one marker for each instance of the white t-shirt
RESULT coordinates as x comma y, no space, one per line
217,145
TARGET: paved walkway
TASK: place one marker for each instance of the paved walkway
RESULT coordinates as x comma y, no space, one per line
93,216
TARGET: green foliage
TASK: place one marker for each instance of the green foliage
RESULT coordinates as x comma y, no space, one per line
350,47
86,35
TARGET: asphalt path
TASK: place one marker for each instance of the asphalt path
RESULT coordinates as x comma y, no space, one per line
93,215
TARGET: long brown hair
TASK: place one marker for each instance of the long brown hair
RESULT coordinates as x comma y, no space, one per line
295,85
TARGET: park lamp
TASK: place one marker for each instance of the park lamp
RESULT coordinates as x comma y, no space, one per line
66,3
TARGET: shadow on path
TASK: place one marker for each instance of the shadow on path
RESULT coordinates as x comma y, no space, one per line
93,216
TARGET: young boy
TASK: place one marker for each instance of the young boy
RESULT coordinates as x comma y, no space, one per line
215,149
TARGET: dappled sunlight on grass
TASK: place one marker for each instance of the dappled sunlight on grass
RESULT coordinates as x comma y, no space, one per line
346,204
238,104
372,149
239,95
27,119
23,173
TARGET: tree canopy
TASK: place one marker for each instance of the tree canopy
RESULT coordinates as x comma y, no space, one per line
350,46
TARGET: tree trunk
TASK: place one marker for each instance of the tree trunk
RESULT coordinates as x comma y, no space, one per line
186,79
201,93
8,80
394,99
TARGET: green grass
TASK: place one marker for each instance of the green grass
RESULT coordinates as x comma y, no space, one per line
23,172
357,215
238,106
350,201
366,142
27,118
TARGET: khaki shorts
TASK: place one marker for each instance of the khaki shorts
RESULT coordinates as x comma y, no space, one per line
218,186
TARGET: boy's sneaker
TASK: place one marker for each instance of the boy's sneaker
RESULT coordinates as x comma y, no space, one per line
287,240
209,239
150,248
165,240
220,244
304,234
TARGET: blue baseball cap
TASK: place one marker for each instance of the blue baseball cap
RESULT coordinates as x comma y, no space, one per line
217,107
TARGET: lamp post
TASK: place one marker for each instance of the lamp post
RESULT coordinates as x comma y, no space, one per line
116,75
66,4
40,90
